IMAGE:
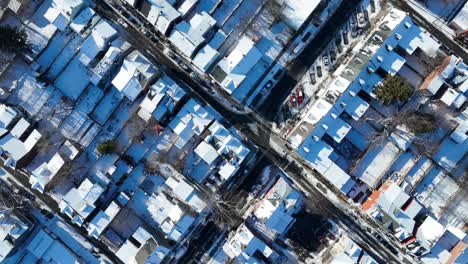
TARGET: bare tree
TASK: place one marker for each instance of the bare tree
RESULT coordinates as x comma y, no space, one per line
275,10
152,163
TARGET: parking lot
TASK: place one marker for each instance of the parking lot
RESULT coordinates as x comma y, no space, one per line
314,82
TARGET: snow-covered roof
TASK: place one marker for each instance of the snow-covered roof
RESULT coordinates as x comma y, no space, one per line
460,21
98,40
81,21
81,200
143,250
20,128
238,63
12,226
15,148
102,220
180,188
42,175
206,152
376,162
135,71
276,208
296,12
188,36
191,120
69,7
68,150
169,215
7,115
48,250
244,247
161,99
161,14
436,191
452,149
205,58
429,232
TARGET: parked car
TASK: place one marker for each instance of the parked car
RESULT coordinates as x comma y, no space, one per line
319,71
361,19
333,55
313,79
345,36
326,63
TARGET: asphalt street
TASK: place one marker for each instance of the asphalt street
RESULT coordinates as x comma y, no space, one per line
255,127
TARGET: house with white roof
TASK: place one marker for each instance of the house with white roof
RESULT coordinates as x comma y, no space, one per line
189,36
142,248
163,99
276,208
296,12
454,147
104,67
346,251
448,79
186,193
169,215
16,143
439,193
221,154
191,120
7,116
79,202
61,12
208,54
460,22
100,222
98,41
82,21
161,14
74,79
43,248
394,209
425,237
448,249
134,75
244,247
43,174
231,71
12,230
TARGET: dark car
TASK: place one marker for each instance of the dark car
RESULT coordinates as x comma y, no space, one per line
319,71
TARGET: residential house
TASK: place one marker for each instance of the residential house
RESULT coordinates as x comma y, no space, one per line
161,14
244,247
45,248
276,208
191,120
12,230
141,248
170,216
189,36
448,249
16,145
61,12
231,71
163,99
134,75
79,202
346,251
394,209
100,222
43,174
186,193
